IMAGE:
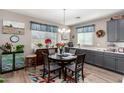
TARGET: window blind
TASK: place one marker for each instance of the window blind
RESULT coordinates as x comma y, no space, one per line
88,28
43,27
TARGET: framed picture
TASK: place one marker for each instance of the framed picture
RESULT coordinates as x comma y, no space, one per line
13,27
65,36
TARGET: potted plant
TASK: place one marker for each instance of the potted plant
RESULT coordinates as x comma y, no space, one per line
8,46
39,45
19,47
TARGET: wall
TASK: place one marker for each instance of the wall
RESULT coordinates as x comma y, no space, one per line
99,25
24,39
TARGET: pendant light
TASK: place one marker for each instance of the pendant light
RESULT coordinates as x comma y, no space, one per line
64,29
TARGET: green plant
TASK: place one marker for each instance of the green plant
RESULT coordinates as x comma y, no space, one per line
1,80
19,47
39,45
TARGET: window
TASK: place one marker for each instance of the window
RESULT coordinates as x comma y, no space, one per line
85,35
40,32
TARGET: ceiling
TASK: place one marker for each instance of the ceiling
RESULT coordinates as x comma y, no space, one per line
56,15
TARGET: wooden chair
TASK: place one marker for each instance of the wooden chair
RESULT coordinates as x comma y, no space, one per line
50,68
72,51
30,61
51,51
75,68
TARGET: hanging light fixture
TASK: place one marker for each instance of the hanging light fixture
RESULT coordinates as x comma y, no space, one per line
64,29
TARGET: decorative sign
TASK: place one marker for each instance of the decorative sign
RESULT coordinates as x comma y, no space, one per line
12,27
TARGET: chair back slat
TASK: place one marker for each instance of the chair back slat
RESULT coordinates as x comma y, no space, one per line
51,51
80,61
45,60
72,51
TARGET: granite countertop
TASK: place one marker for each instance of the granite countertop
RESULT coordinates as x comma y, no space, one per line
97,49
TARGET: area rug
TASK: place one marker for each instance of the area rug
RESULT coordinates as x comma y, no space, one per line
36,77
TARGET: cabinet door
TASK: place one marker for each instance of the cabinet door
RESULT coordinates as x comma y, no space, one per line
89,57
19,60
120,65
109,62
98,60
7,62
121,30
112,27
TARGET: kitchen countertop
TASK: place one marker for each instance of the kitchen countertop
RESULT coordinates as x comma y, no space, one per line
97,49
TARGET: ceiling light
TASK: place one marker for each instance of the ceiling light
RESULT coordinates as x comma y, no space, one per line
64,29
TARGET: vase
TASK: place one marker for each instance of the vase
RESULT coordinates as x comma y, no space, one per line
61,50
47,46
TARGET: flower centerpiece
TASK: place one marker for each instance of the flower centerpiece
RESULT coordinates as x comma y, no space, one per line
60,46
48,42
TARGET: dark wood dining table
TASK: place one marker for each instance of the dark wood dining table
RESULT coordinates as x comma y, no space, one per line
62,59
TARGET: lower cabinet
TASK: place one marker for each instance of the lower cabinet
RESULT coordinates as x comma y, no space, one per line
90,57
11,61
120,65
109,62
98,59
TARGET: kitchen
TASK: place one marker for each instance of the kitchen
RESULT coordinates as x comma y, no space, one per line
100,37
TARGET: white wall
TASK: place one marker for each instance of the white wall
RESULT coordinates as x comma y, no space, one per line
99,25
24,39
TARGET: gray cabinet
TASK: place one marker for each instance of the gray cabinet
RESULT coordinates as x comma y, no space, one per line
121,30
80,51
115,30
112,28
109,61
90,57
98,58
120,63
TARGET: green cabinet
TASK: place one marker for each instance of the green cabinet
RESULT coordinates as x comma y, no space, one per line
19,60
11,61
7,62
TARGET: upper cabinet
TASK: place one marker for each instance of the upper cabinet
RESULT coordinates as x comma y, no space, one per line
121,30
115,30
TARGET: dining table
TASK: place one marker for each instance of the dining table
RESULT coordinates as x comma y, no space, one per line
63,59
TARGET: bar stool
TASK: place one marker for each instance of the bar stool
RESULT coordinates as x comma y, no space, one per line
30,61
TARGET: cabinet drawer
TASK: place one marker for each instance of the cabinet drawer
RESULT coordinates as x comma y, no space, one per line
98,53
110,54
120,55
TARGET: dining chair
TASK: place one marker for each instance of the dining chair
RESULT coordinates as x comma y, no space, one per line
51,51
75,68
72,51
49,68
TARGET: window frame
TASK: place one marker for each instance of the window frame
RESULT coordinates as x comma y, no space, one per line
86,29
48,29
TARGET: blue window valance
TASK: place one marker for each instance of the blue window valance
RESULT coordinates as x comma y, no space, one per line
88,28
43,27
